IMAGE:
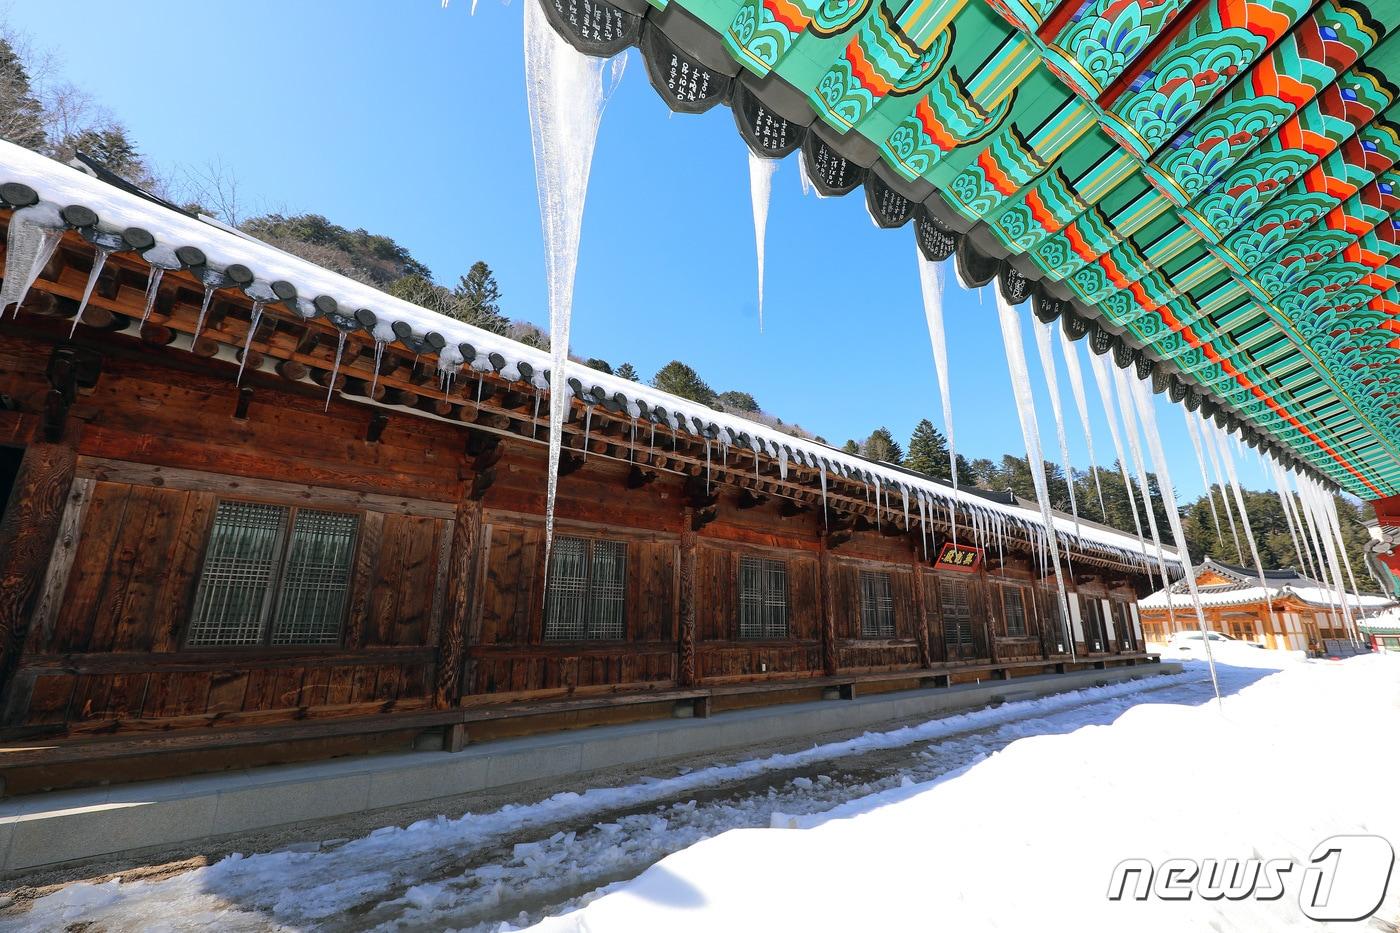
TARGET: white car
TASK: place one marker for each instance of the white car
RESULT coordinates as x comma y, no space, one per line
1195,641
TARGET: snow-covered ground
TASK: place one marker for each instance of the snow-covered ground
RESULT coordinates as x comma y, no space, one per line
1000,818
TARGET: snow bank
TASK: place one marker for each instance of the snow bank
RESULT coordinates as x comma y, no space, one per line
1029,838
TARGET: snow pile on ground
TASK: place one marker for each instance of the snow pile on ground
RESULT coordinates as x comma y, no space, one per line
1030,837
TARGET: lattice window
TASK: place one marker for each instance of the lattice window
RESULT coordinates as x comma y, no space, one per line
587,590
315,579
1091,617
255,571
1014,604
1055,632
1123,625
956,608
876,605
763,610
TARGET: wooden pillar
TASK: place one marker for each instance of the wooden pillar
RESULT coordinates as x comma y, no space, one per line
27,534
988,594
461,591
686,675
829,655
921,614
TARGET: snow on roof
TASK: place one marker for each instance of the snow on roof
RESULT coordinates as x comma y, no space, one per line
304,287
1243,592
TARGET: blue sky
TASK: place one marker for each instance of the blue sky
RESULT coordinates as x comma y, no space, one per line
409,120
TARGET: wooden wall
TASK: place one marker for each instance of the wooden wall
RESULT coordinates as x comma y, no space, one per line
446,603
109,640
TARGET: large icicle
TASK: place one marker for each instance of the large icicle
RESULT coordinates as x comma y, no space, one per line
1143,398
1030,431
1331,503
29,245
931,284
1284,500
99,260
565,95
1228,458
1312,506
1070,350
1195,435
1214,457
1052,383
760,193
1130,427
1099,366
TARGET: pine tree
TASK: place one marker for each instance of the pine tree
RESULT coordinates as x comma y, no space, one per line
109,145
851,447
603,366
739,401
627,371
478,299
881,446
21,114
679,379
928,451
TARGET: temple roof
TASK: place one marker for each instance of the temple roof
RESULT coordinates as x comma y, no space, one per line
1221,584
48,195
1206,188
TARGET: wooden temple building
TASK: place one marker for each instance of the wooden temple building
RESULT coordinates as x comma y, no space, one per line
1288,611
255,511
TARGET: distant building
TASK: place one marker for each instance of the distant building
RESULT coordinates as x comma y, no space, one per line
1292,612
1383,631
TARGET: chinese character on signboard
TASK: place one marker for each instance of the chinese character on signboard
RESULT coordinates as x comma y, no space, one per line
959,557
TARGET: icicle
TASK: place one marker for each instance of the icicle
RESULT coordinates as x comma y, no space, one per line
1070,351
1030,432
904,491
760,193
822,477
535,421
923,522
803,178
1052,383
1130,427
1143,398
152,288
931,284
253,323
1308,489
1331,504
33,236
632,442
1214,456
782,463
1099,366
587,428
379,358
209,291
335,367
1228,459
707,466
99,260
1194,432
1280,487
565,96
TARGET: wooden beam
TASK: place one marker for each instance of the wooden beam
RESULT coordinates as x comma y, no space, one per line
686,673
461,591
828,607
